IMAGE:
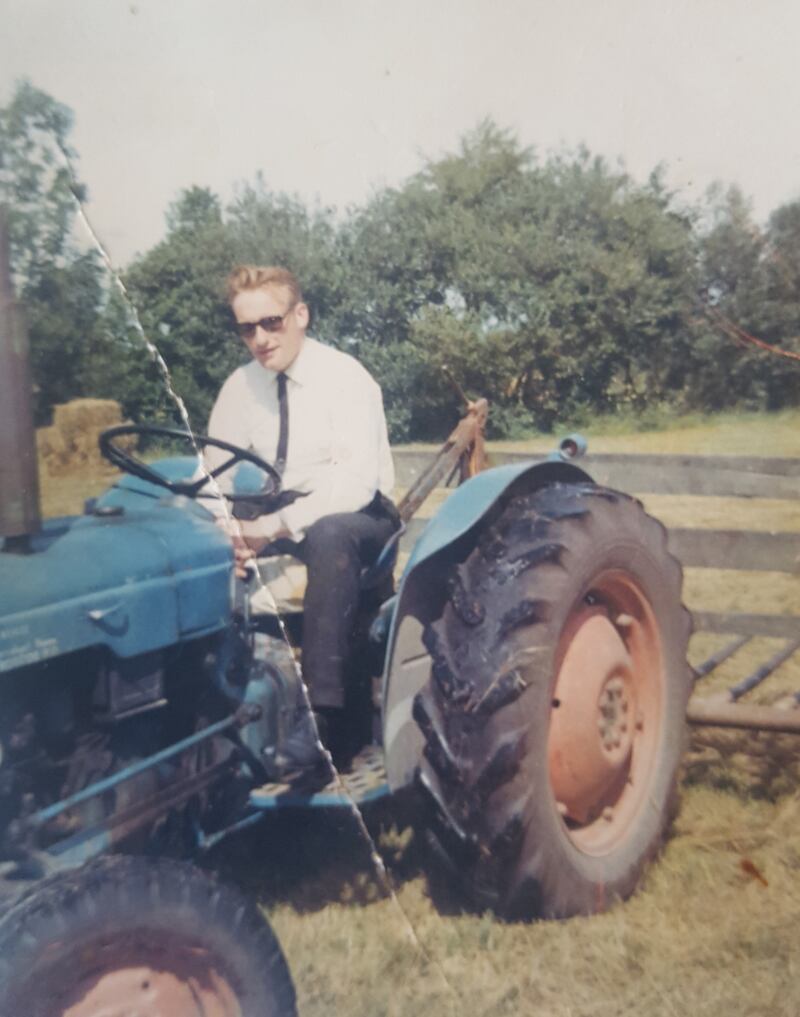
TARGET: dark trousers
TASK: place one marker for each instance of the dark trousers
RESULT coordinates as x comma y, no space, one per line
335,550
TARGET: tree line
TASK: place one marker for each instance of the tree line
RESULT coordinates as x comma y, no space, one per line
557,287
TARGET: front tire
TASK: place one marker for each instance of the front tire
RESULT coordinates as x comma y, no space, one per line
150,937
554,719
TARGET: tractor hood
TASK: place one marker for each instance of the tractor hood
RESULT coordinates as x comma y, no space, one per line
131,578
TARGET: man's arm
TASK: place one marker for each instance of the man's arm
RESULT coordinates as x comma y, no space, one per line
358,443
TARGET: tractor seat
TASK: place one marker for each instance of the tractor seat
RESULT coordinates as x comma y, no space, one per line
283,579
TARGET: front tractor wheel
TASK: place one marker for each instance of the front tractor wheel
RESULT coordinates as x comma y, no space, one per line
554,717
144,937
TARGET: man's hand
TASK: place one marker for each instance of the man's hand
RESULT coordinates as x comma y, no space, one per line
259,532
242,555
250,536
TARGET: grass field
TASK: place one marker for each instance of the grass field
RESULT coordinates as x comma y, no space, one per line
705,935
733,434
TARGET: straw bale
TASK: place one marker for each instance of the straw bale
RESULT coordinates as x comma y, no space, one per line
49,442
71,442
85,415
51,450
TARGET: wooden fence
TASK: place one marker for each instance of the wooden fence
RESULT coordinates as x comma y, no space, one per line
734,742
719,476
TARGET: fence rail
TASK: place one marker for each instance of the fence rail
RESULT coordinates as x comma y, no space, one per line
701,548
701,476
724,476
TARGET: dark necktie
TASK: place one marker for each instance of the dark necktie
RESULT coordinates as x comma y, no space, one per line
283,432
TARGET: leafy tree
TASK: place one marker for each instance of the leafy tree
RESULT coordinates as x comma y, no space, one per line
781,310
59,285
750,279
35,180
176,289
547,287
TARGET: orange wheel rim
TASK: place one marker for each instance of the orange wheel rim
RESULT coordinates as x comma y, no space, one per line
185,986
607,704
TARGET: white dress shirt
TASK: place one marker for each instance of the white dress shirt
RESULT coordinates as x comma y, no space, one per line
338,443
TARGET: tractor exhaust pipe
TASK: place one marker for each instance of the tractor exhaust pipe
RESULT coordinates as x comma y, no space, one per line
20,516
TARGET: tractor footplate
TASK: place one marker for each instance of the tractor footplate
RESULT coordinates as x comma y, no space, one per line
365,781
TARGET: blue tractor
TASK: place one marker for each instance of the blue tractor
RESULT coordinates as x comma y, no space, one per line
529,685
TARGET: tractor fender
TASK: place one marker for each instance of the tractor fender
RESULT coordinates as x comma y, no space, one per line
450,534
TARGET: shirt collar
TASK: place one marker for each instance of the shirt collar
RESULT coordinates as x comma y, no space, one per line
301,368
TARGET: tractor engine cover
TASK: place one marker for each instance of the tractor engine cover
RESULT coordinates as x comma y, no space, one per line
134,580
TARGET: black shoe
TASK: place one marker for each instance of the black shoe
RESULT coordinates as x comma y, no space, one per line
300,758
336,731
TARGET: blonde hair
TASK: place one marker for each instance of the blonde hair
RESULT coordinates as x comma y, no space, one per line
256,277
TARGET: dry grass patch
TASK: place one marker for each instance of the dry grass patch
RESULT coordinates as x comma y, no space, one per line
703,936
64,495
724,434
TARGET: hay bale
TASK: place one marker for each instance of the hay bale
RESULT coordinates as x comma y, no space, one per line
49,442
52,453
71,442
84,416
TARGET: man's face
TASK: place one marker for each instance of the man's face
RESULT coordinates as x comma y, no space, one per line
273,350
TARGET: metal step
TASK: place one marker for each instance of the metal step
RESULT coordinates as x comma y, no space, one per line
365,781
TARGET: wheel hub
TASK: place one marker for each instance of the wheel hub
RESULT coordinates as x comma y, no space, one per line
615,719
143,991
593,718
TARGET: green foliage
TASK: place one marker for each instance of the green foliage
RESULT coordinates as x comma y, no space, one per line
35,182
176,289
546,287
59,285
752,277
62,315
560,289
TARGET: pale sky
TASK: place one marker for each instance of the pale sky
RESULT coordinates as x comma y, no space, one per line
332,99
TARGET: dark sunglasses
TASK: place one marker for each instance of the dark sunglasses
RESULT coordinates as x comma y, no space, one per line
274,323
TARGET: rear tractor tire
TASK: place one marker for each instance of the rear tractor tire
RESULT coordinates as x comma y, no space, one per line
555,715
145,937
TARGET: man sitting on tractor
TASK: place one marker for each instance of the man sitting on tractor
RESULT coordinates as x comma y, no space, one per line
317,414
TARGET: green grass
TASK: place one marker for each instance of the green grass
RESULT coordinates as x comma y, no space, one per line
702,936
733,434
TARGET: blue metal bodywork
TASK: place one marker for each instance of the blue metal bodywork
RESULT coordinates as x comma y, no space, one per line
138,573
470,502
142,571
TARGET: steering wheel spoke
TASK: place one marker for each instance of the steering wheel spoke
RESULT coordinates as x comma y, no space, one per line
221,469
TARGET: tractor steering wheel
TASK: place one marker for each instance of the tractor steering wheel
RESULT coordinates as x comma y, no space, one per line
191,488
